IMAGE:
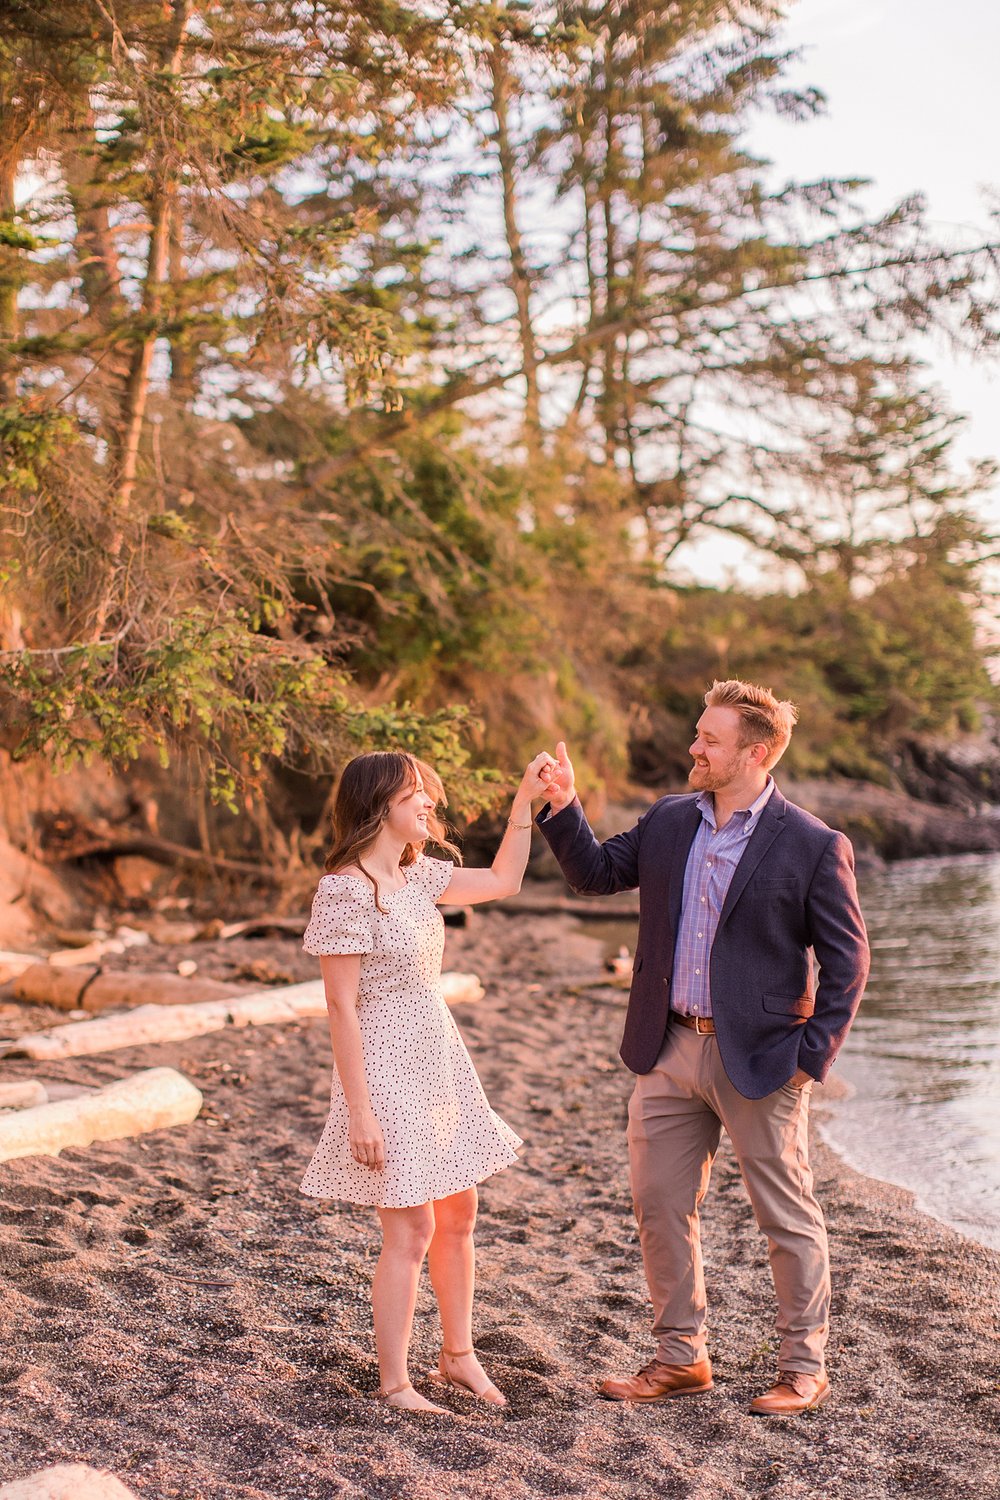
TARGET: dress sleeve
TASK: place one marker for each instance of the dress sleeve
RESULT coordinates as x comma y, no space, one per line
433,874
341,920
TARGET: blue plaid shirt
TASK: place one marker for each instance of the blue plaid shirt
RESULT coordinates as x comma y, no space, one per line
710,868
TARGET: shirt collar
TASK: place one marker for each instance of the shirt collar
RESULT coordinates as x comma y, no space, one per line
705,802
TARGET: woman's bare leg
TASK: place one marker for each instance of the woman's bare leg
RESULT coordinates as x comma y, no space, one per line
451,1260
406,1235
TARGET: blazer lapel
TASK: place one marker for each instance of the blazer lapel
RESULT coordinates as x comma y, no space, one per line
772,821
680,848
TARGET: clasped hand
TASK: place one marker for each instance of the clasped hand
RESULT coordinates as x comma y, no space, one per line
548,777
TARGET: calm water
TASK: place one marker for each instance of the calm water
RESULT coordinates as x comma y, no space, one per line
924,1052
923,1057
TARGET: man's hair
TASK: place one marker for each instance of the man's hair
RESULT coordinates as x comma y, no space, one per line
764,719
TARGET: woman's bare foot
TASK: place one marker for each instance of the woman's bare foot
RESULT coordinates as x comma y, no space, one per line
407,1399
465,1373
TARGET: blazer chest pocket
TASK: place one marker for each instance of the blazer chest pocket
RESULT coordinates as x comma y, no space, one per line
800,1006
778,889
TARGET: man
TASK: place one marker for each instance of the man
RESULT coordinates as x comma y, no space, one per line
726,1026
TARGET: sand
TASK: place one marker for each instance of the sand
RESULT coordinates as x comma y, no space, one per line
176,1312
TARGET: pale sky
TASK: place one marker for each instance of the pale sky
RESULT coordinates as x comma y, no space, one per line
914,103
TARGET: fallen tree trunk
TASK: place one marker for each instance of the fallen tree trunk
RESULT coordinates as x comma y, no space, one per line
290,926
88,987
595,910
148,1101
22,1095
87,841
151,1023
12,964
67,1482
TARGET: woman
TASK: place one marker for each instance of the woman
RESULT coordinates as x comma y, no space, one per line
410,1130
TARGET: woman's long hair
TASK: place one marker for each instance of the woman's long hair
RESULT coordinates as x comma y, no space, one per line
368,783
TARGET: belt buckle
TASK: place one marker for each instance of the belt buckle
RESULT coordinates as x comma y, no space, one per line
703,1030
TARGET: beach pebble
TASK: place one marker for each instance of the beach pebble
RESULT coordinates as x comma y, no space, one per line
68,1482
461,989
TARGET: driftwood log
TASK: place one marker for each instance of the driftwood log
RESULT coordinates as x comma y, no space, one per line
152,1023
150,1100
22,1095
92,988
12,964
67,1482
595,910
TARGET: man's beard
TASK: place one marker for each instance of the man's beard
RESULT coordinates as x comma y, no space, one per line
704,779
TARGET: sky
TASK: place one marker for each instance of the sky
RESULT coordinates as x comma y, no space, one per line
913,103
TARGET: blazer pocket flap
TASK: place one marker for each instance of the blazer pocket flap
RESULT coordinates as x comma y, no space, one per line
789,1005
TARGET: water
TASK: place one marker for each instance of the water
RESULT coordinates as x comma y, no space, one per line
923,1057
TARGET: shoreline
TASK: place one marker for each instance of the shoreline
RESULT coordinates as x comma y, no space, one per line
824,1125
180,1315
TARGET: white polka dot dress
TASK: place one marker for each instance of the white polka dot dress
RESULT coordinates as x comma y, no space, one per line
441,1136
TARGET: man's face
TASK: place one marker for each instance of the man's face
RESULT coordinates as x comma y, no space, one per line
718,759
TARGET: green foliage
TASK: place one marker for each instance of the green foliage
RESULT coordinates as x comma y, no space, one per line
14,236
869,670
297,461
29,438
219,689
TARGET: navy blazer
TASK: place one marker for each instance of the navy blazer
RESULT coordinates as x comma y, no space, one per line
793,895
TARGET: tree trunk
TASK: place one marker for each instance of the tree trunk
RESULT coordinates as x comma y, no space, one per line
136,393
520,278
8,285
96,252
608,406
183,363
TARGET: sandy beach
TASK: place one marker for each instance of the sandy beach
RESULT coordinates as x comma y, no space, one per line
176,1312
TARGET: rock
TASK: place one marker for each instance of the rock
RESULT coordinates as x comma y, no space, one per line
461,989
139,877
961,771
893,824
150,1100
167,931
68,1482
132,937
27,888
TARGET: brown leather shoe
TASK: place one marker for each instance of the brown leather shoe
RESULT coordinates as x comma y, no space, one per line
658,1381
795,1391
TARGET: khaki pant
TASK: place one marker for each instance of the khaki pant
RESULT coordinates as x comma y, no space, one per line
676,1117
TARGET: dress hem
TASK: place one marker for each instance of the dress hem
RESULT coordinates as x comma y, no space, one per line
334,1197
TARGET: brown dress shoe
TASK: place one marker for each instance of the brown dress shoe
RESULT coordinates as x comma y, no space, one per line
795,1391
658,1381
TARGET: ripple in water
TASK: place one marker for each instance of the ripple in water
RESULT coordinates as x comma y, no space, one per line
924,1053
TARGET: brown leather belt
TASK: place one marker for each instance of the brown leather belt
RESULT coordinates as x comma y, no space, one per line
704,1025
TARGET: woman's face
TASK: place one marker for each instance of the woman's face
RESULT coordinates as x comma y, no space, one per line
408,813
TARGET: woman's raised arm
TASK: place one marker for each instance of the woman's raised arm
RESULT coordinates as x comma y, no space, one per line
503,878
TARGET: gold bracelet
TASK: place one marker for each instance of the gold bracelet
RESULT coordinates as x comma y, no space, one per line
512,824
